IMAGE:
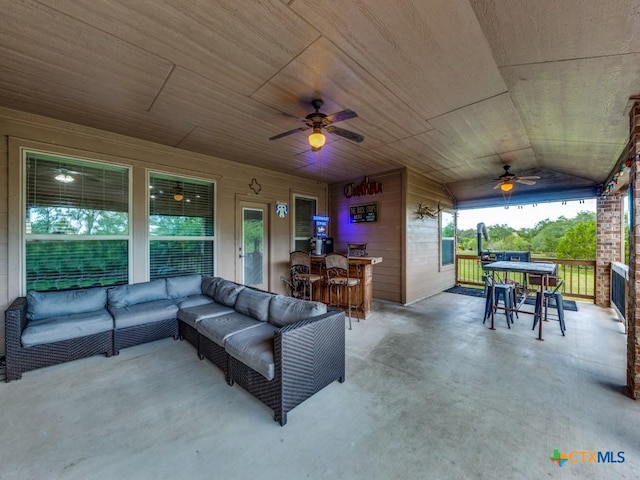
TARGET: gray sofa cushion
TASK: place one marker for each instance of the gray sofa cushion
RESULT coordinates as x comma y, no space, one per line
55,329
127,295
227,292
254,303
142,313
254,348
219,329
56,304
192,315
284,311
193,300
209,285
184,286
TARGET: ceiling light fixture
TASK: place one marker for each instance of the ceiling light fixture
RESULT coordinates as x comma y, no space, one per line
178,194
506,186
317,139
64,178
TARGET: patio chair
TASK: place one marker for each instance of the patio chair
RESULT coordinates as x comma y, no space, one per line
340,284
301,277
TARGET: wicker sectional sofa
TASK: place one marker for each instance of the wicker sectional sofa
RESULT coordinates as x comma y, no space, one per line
280,349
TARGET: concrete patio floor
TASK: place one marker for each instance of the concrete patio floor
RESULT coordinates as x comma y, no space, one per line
430,393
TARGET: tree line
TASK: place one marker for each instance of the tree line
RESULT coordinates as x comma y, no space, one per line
572,238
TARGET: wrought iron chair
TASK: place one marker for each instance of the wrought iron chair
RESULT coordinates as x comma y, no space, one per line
301,277
340,284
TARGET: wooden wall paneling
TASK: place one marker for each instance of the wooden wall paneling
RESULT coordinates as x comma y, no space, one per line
422,240
237,43
383,238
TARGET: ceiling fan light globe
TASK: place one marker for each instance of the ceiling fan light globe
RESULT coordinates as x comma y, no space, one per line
64,178
317,139
178,196
506,187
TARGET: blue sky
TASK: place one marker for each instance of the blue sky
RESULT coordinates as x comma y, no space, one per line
525,217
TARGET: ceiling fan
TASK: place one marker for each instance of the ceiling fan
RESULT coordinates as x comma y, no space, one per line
507,180
318,121
64,173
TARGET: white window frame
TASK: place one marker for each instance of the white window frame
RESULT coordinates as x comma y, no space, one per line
441,238
294,197
25,236
150,237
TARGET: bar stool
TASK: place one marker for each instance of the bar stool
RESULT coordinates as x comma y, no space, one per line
543,302
339,283
301,276
495,291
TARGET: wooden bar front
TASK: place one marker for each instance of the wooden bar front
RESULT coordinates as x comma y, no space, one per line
359,267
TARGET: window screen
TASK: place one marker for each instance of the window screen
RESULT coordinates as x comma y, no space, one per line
76,223
181,226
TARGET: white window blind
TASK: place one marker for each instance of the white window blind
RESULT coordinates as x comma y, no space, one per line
181,226
76,223
304,208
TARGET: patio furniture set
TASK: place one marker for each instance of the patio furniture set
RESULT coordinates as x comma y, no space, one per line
541,274
281,349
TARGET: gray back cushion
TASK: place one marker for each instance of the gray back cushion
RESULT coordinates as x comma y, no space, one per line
254,303
284,311
209,285
227,292
127,295
184,286
54,304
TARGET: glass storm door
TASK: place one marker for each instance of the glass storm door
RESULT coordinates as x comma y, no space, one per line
253,246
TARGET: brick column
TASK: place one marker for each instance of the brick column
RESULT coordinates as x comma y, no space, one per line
609,244
633,320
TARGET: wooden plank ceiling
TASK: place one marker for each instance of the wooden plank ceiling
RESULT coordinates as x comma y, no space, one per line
453,89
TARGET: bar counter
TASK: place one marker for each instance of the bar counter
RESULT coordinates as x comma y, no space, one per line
359,267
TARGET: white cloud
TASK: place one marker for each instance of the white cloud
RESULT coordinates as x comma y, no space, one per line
525,217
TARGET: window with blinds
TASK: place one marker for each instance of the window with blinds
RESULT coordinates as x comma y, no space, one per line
76,223
304,208
181,226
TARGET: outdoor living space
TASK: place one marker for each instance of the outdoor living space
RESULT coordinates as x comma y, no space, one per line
431,392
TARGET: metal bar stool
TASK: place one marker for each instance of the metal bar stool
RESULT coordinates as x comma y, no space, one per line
543,302
301,276
339,283
495,291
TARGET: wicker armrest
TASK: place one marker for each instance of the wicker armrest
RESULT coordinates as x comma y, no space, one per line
15,322
315,345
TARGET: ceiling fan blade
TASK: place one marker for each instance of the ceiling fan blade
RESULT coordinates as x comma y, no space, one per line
530,177
348,134
290,132
340,116
524,181
497,186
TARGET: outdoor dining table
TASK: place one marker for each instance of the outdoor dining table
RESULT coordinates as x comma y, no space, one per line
536,268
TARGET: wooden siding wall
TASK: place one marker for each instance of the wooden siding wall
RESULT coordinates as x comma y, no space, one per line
424,275
383,238
232,183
